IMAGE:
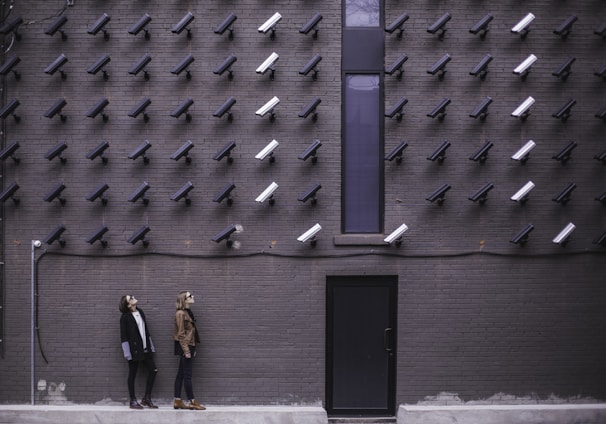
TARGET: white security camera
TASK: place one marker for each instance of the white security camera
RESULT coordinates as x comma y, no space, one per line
309,234
267,193
564,235
396,235
522,110
522,154
270,23
524,68
267,150
522,194
268,107
268,63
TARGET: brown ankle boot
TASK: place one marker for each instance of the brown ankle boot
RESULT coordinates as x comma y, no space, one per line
193,404
179,404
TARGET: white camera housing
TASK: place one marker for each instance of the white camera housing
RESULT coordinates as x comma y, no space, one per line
524,151
524,107
268,107
268,63
396,234
267,193
524,67
563,235
267,150
309,234
523,24
270,23
521,194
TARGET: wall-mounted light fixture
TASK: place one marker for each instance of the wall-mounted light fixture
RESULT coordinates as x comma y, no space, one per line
481,110
440,66
440,109
564,155
9,65
270,25
183,24
269,108
183,193
396,153
521,196
99,25
563,30
225,194
227,24
438,195
523,153
9,193
564,70
311,152
268,64
56,26
139,236
521,238
481,26
183,108
440,25
140,26
11,25
98,193
98,152
9,109
139,109
140,66
226,108
563,236
523,110
600,239
312,23
98,108
55,193
563,112
139,151
481,195
310,235
397,25
311,65
56,109
100,65
395,237
396,66
268,194
396,109
524,68
226,66
268,150
225,235
55,236
9,152
523,26
225,152
183,65
481,154
564,196
57,151
440,153
97,235
139,193
183,151
310,109
56,66
481,69
310,193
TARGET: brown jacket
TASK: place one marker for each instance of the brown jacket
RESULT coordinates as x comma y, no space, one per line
185,331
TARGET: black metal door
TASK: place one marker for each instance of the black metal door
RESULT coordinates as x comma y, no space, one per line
361,341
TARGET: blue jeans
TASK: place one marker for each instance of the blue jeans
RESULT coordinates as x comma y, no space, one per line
184,375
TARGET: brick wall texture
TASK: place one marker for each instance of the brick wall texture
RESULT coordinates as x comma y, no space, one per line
477,315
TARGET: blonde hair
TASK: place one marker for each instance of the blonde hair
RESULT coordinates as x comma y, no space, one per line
181,298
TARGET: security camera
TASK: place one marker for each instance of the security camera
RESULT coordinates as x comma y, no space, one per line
183,109
270,24
522,26
98,65
481,195
563,155
601,30
311,151
140,25
225,152
601,72
268,108
139,235
481,26
310,194
439,26
98,152
310,108
522,237
183,193
268,193
98,193
268,64
601,198
56,109
8,66
183,24
97,235
311,24
12,25
140,109
139,193
227,23
396,235
55,193
481,110
521,196
396,66
268,151
439,194
226,66
523,153
183,151
397,24
440,109
99,25
563,30
225,108
601,157
56,26
56,65
225,234
564,235
9,109
481,69
140,152
564,112
440,153
523,110
564,196
310,235
98,108
311,65
9,151
225,193
140,66
56,151
601,239
55,235
601,114
482,153
396,109
564,70
523,69
396,153
440,66
9,193
183,66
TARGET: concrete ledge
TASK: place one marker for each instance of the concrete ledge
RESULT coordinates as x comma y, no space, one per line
86,414
499,414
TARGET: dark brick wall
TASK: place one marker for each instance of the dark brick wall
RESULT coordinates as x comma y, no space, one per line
477,314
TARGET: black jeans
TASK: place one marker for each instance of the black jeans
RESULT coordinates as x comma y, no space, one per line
184,375
133,366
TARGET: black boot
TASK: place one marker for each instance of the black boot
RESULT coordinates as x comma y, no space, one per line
134,404
146,401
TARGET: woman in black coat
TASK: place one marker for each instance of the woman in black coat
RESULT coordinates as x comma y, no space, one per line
138,348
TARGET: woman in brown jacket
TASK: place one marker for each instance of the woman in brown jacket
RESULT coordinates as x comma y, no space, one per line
185,336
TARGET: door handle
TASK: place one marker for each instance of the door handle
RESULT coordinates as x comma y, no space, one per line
387,340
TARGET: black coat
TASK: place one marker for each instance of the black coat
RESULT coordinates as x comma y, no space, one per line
132,344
